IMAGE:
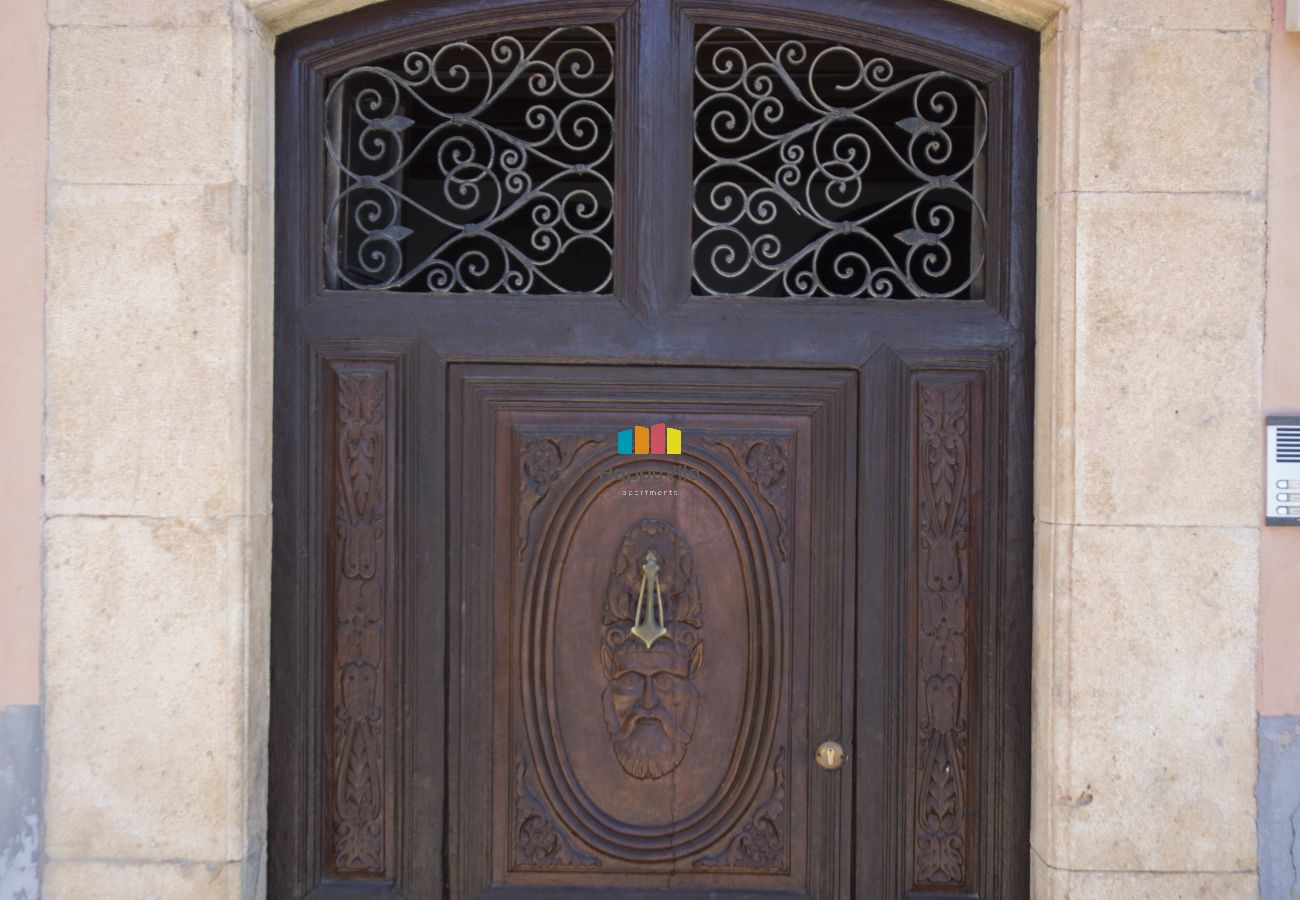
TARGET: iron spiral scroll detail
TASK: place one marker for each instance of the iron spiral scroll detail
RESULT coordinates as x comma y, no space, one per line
822,170
481,165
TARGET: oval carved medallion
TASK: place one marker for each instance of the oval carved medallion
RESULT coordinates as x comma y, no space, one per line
631,710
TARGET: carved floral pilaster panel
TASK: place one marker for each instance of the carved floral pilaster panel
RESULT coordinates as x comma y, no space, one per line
360,486
943,492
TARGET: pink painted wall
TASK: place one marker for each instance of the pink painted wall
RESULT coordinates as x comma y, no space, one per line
1279,573
22,309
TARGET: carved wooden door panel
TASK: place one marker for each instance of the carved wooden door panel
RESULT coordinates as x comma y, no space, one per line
656,643
652,407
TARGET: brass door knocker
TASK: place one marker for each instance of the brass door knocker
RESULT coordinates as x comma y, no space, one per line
648,623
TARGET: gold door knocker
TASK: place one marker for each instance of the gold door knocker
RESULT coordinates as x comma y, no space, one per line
646,627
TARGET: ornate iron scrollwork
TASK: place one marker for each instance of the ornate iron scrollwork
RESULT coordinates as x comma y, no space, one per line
822,170
479,165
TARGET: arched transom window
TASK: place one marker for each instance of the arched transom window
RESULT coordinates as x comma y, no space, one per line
820,169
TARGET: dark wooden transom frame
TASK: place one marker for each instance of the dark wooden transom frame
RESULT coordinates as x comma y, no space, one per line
411,340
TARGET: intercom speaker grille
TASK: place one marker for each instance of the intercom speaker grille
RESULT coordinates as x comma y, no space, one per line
1282,484
1288,444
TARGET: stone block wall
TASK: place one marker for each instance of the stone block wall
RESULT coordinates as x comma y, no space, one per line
158,377
1152,285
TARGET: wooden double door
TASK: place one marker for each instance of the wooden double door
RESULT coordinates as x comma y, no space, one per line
610,561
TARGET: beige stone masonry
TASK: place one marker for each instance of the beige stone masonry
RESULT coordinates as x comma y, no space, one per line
139,12
1168,326
1052,884
1050,787
1151,285
169,881
142,105
1161,697
157,533
280,16
131,284
146,768
1203,15
1164,110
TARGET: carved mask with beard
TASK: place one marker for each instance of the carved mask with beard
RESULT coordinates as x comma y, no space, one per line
650,701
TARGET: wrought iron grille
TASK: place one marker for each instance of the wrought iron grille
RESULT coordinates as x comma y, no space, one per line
482,165
823,170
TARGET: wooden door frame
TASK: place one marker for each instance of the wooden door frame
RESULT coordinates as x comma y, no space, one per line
898,348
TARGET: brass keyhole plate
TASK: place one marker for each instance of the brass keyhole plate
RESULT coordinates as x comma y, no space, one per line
830,756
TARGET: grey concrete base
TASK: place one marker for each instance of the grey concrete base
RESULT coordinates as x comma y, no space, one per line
20,802
1279,807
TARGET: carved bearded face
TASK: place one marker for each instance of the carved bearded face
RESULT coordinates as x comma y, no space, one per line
650,701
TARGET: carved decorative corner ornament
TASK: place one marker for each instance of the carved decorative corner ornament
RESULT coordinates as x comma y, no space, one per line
760,842
538,841
767,462
541,461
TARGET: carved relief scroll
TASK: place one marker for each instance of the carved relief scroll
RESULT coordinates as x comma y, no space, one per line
943,494
538,841
760,842
362,527
541,460
768,463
